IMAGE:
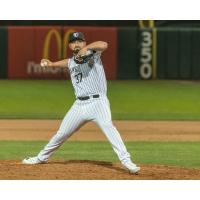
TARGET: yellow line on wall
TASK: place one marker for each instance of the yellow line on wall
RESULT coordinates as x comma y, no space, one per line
154,53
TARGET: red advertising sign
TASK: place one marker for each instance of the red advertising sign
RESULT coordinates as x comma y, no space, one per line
28,45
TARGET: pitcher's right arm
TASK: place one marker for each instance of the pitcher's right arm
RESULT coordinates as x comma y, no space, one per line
47,63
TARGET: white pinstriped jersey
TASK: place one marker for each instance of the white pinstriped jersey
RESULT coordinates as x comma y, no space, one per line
88,80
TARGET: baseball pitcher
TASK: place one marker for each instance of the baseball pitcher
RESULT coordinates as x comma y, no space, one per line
90,87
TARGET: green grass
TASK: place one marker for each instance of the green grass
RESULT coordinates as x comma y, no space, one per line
137,100
166,153
34,99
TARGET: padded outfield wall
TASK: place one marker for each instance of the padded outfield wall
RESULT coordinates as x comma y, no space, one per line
133,53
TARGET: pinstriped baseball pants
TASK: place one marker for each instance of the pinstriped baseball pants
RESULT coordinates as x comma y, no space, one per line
94,109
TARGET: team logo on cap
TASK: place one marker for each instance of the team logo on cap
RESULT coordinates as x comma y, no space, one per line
75,35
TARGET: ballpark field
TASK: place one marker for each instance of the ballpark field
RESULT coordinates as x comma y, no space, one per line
158,120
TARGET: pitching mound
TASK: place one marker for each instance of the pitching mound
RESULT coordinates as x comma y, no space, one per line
91,170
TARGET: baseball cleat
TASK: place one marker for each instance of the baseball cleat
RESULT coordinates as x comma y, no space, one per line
32,161
131,167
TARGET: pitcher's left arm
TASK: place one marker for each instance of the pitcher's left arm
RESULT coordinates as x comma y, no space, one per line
94,46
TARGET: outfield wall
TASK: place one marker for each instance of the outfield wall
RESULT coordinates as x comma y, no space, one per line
178,53
133,53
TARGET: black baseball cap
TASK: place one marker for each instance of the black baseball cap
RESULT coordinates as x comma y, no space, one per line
76,36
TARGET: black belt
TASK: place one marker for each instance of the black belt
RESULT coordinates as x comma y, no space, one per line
87,97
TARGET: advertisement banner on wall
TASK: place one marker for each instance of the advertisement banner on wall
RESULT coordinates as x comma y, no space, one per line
28,45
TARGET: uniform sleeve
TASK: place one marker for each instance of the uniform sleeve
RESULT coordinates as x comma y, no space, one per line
97,57
97,53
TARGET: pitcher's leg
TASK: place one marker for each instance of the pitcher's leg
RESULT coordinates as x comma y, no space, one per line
103,120
115,139
119,147
72,122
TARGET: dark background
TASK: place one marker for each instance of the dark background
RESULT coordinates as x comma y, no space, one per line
124,23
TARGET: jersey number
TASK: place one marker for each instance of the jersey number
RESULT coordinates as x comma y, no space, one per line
79,77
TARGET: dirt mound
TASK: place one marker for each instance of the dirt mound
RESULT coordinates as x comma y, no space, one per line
91,170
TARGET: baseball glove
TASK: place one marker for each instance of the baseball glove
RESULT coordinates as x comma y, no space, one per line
84,58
